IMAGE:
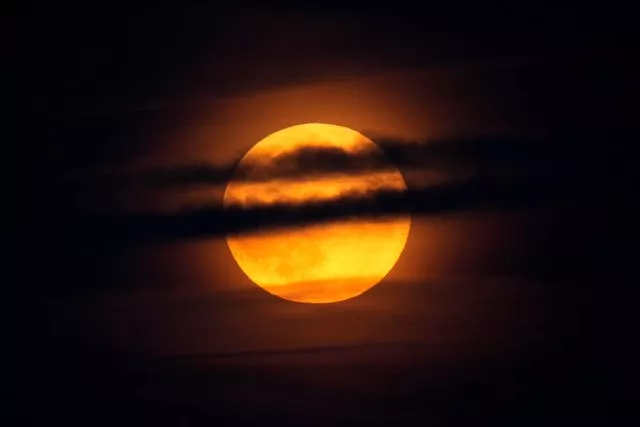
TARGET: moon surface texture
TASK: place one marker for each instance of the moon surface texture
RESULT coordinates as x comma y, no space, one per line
320,263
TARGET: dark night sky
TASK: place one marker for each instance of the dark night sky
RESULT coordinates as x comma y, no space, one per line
514,299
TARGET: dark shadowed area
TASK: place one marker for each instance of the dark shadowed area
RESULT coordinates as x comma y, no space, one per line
513,302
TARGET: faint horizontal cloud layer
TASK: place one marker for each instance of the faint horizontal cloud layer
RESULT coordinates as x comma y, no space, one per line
481,173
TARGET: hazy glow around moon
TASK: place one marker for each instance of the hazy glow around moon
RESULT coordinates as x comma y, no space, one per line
320,263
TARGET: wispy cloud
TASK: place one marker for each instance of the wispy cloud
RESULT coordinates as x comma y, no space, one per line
311,161
484,173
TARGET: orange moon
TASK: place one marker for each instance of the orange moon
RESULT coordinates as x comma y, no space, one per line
320,263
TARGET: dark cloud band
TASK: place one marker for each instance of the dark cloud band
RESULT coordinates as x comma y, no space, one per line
501,174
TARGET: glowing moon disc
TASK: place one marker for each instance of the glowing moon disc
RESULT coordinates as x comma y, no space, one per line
320,263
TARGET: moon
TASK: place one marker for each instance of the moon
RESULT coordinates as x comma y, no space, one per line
320,263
